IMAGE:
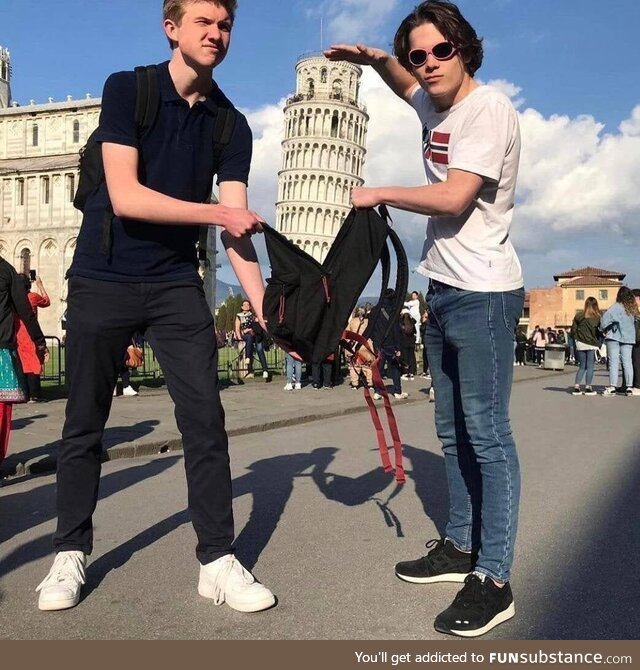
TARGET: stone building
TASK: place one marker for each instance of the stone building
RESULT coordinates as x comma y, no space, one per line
557,306
323,152
39,145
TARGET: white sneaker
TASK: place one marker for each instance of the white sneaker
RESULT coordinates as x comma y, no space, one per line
129,390
400,396
405,377
432,395
609,391
297,387
376,396
265,374
288,387
60,589
225,580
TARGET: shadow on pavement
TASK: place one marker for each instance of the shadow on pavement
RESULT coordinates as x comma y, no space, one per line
18,424
46,454
24,510
592,592
269,481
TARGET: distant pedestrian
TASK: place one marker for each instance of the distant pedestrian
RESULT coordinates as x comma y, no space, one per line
539,344
27,352
521,347
424,320
618,322
408,345
293,371
249,331
584,330
413,306
14,301
358,372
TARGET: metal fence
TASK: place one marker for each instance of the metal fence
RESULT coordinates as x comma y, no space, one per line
231,364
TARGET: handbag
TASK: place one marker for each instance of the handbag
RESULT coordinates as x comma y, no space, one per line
135,356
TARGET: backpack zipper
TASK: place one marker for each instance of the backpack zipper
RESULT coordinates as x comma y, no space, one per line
325,286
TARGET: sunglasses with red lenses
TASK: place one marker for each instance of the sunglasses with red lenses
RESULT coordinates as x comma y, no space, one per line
441,51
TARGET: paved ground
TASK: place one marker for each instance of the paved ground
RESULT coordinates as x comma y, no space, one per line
322,525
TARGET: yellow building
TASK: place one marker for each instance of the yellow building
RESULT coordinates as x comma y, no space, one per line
557,306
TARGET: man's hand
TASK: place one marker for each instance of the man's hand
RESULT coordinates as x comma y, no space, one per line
239,222
362,197
359,54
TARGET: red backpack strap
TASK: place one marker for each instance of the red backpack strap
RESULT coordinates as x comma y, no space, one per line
350,337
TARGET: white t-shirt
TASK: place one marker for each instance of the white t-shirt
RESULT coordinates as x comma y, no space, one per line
480,134
414,309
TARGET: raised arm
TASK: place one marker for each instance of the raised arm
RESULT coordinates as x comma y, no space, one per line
392,73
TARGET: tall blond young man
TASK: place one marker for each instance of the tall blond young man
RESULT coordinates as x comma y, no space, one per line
471,147
157,187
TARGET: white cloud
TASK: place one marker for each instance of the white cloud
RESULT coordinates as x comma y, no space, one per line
575,179
354,20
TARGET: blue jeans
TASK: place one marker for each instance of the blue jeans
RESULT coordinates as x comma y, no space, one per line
470,342
616,352
586,362
293,369
252,345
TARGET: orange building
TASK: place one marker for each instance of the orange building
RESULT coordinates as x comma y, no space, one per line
557,306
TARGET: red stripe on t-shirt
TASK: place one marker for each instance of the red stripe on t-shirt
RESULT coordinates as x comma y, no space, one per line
442,159
440,137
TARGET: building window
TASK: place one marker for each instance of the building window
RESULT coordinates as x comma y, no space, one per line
20,191
334,125
34,135
25,261
603,294
323,75
71,187
310,88
46,194
76,131
579,295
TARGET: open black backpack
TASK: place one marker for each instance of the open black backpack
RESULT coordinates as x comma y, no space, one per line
307,304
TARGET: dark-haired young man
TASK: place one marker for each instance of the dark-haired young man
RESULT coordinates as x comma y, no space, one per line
157,187
471,147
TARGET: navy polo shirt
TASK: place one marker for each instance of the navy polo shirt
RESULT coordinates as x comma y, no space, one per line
176,158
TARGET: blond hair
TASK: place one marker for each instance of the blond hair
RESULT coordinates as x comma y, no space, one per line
173,10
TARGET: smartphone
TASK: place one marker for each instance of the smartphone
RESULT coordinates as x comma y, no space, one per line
32,275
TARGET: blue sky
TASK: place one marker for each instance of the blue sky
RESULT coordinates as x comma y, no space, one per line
571,67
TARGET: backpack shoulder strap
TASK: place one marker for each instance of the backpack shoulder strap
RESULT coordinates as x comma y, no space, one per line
402,271
147,98
145,114
222,131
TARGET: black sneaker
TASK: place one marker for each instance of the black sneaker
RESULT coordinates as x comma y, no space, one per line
444,563
478,607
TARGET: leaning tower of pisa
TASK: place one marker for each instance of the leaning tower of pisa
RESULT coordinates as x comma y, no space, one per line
322,153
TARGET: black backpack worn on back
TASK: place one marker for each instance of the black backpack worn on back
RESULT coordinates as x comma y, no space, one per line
307,304
146,112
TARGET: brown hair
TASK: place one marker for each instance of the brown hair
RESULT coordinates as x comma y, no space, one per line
173,10
446,17
626,298
591,308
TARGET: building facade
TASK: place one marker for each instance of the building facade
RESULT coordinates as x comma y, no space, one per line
39,150
323,152
557,306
